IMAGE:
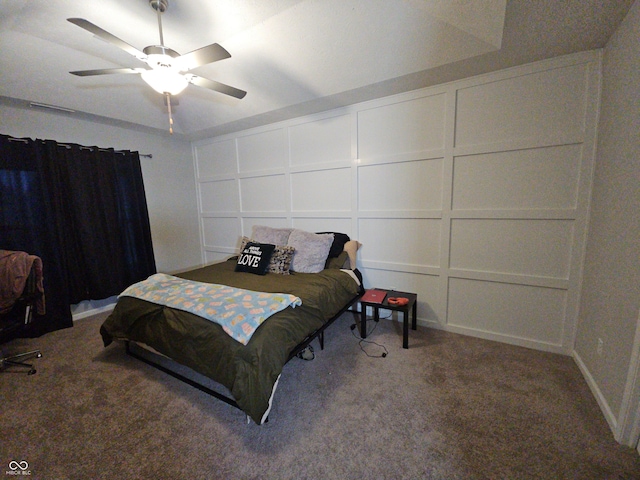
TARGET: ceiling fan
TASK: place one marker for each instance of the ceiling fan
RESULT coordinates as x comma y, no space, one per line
168,72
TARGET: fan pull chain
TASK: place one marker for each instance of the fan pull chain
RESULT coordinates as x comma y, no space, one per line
159,11
170,115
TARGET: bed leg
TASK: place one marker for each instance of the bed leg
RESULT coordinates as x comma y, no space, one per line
321,340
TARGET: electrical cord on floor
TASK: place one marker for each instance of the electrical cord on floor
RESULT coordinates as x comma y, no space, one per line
362,340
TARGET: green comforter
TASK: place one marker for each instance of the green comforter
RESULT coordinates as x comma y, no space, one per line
248,371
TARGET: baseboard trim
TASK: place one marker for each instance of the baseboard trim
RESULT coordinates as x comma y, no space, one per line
93,311
597,393
497,337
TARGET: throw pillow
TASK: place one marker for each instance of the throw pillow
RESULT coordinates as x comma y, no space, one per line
311,250
275,236
255,257
281,257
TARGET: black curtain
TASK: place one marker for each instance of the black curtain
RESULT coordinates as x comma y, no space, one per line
83,211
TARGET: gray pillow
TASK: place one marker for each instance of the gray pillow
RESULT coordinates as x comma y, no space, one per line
311,250
275,236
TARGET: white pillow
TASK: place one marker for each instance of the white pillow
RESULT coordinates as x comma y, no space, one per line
311,250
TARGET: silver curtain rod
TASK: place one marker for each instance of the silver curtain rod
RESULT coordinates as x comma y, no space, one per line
26,140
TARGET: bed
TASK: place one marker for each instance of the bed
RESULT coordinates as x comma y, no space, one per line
249,368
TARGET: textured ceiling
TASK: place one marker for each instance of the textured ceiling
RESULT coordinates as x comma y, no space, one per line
293,57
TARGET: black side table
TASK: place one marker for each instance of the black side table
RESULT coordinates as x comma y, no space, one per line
412,305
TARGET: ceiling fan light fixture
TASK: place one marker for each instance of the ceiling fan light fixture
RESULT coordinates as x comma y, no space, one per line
165,81
165,65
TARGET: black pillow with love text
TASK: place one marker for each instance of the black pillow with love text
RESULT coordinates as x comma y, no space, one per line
254,258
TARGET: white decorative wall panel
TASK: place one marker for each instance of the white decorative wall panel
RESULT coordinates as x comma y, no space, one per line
320,141
220,231
426,286
400,186
321,190
221,196
263,194
522,247
261,151
519,311
218,158
411,126
211,256
275,222
400,240
535,106
534,178
474,194
319,224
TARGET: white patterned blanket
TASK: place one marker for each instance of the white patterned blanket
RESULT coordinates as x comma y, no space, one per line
240,312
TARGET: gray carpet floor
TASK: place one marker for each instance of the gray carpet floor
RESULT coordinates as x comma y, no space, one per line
450,407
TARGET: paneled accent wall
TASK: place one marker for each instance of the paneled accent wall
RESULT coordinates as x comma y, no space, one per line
472,194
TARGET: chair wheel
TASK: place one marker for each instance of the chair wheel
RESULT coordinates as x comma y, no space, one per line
31,372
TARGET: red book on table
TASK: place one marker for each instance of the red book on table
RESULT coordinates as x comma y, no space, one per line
373,296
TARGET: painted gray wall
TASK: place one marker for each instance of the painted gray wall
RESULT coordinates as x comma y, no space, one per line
610,300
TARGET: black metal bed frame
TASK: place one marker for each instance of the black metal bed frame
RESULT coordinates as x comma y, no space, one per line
319,333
